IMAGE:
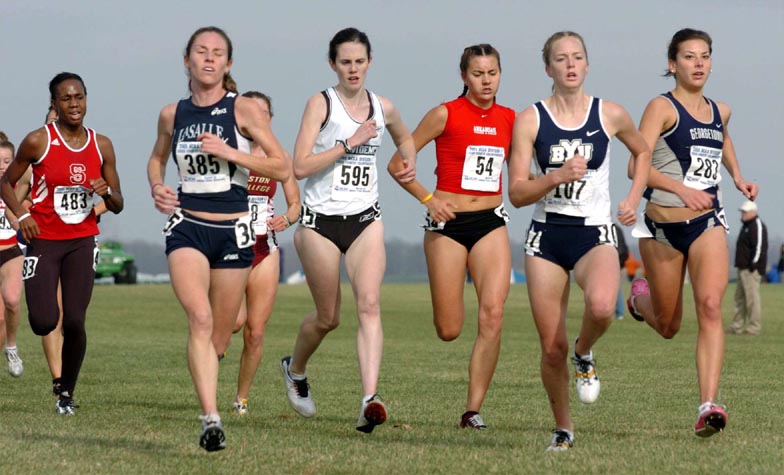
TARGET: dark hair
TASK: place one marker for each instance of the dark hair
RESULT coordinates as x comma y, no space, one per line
228,82
60,78
347,35
548,45
681,36
260,95
483,49
4,143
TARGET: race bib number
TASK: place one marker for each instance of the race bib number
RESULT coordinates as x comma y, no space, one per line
431,224
353,177
72,203
6,231
96,256
28,267
570,196
173,220
259,207
307,218
533,241
201,172
482,168
705,169
608,235
243,230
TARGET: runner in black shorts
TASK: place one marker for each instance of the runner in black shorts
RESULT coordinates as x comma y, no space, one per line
465,224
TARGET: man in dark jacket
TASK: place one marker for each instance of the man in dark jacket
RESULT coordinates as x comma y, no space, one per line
751,258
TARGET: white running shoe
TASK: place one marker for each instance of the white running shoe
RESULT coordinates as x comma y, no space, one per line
15,366
297,390
373,413
562,440
212,437
586,380
240,407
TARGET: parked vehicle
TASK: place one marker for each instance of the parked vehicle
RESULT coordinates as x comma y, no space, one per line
114,261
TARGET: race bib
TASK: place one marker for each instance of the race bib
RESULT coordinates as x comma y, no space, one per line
705,169
28,267
201,172
570,196
6,230
72,203
431,224
353,177
173,220
482,168
259,207
243,230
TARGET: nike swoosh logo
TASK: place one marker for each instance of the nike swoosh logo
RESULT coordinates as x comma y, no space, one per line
484,115
589,133
718,126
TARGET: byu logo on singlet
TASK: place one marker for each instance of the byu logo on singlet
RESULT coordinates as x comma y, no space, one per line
78,173
567,149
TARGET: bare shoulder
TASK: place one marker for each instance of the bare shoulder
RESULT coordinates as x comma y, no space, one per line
103,140
35,142
725,110
436,117
527,118
386,103
613,110
166,116
245,105
660,104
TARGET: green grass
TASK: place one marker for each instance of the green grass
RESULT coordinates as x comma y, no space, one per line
138,408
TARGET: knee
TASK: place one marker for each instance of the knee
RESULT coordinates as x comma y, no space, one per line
326,322
12,304
254,336
200,324
709,309
601,310
555,354
669,332
446,330
491,320
42,329
369,306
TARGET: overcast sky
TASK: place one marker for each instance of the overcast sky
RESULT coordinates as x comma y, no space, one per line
130,56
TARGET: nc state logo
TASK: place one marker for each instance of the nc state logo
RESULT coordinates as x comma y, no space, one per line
78,173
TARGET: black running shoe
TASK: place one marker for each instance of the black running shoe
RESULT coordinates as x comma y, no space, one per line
472,420
212,437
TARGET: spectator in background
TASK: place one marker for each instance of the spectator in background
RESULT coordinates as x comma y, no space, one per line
623,256
631,265
751,259
781,259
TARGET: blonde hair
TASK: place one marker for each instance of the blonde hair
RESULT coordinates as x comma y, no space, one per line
548,45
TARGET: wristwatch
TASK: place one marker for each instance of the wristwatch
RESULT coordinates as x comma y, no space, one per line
108,193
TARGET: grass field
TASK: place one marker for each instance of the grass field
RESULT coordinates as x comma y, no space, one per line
139,412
